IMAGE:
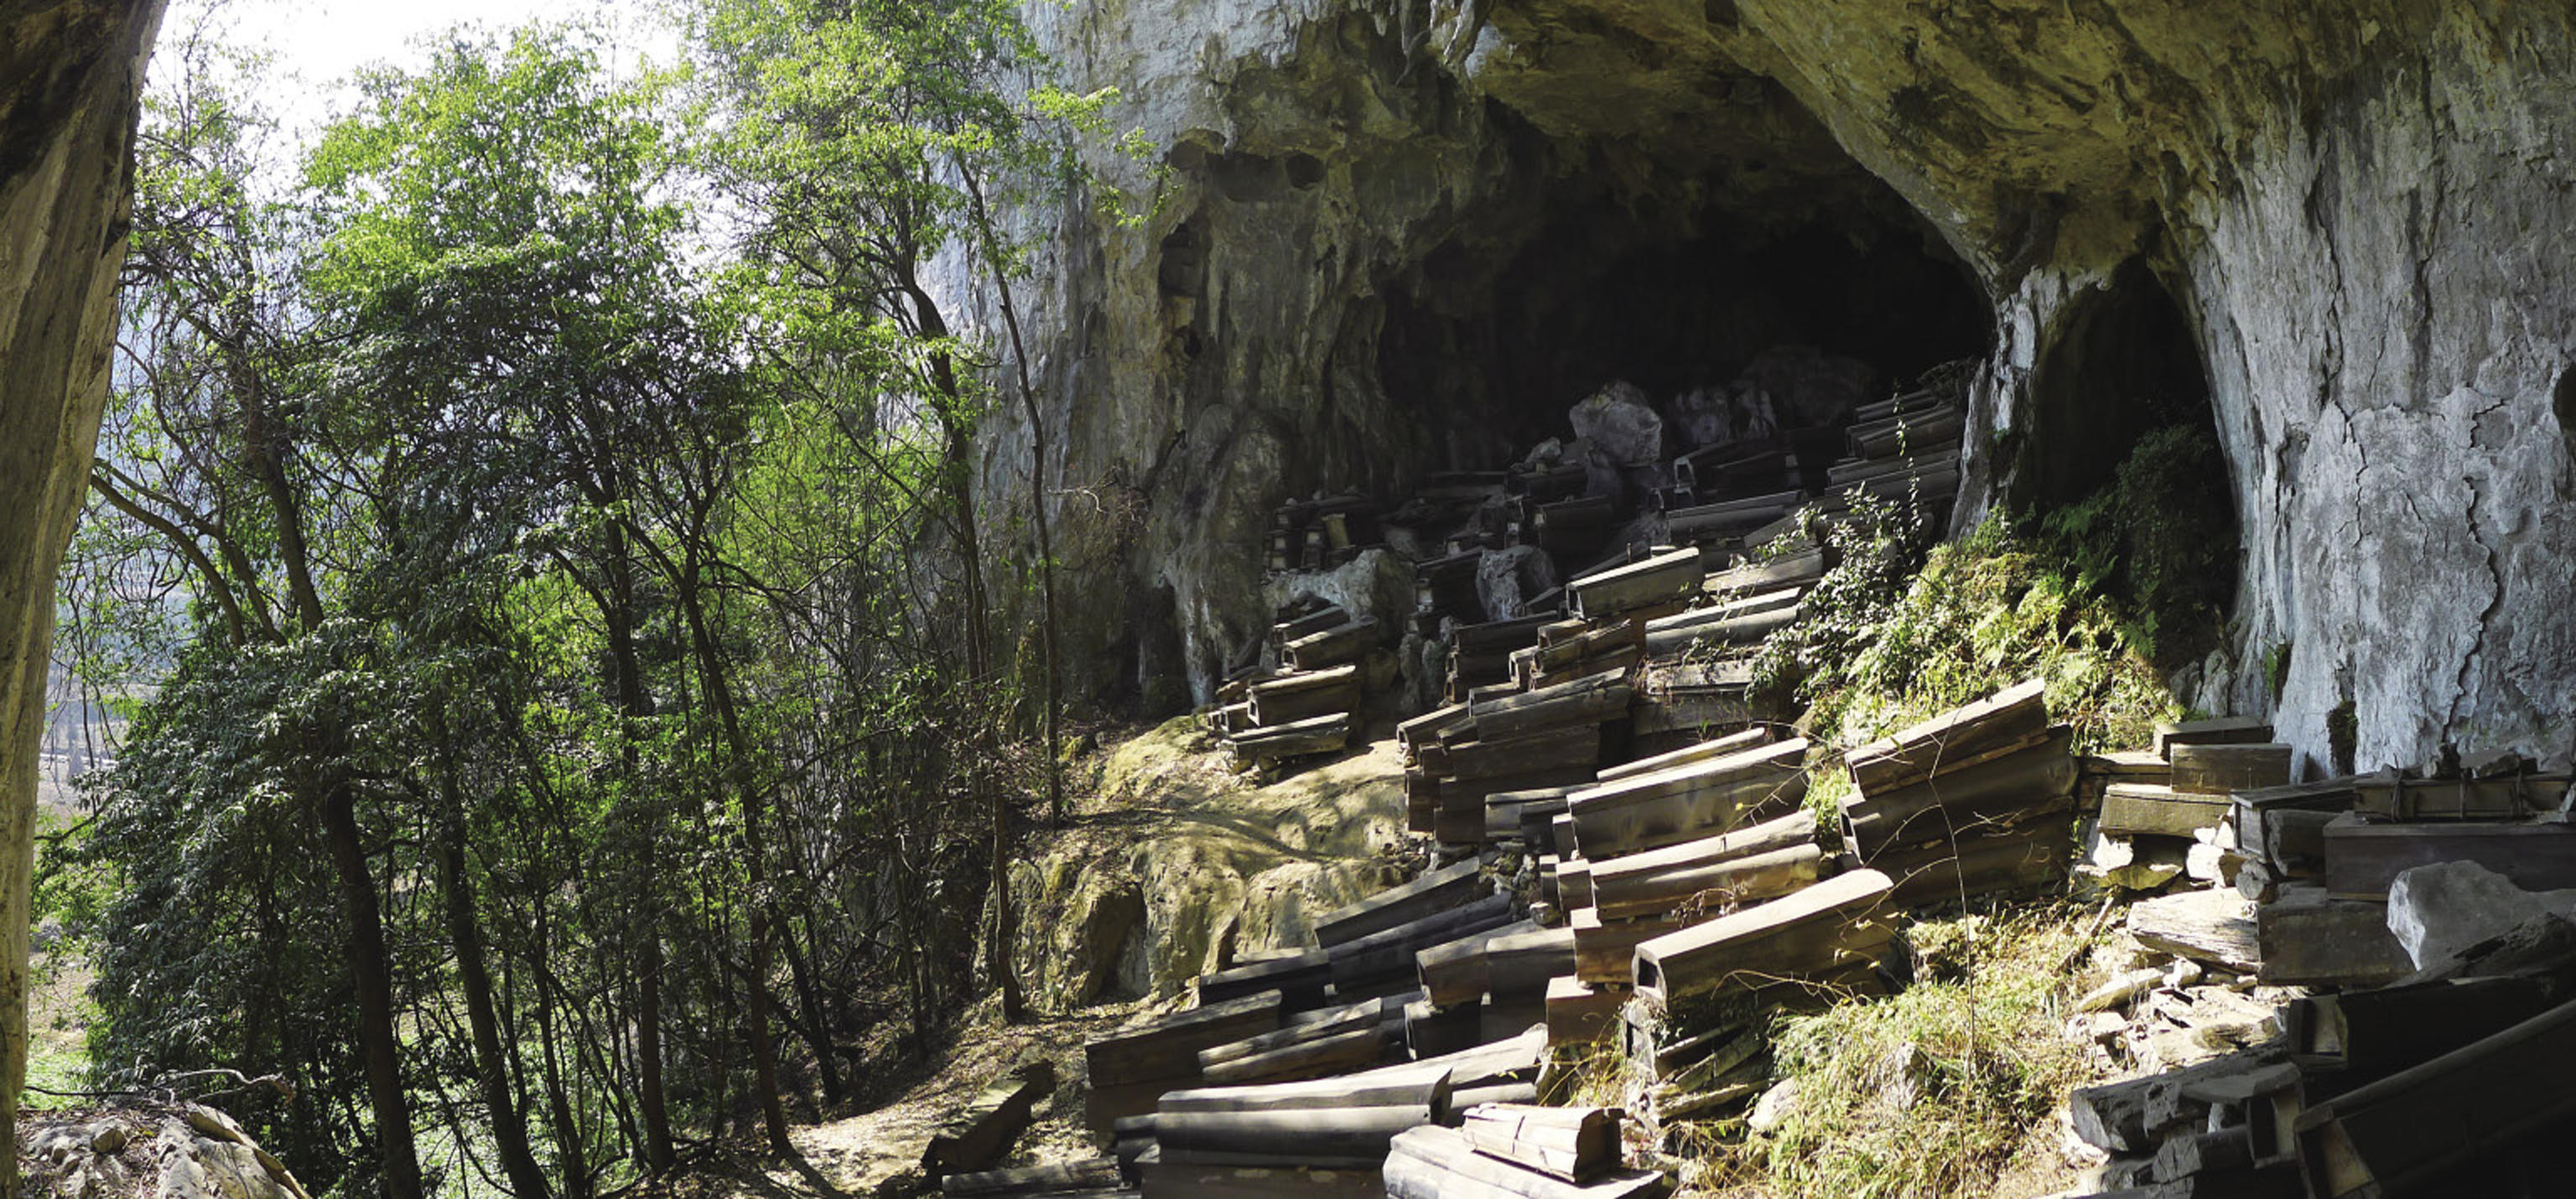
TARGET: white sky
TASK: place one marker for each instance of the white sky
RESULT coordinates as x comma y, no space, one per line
317,43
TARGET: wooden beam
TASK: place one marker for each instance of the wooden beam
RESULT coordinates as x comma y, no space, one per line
2012,719
1727,745
1688,802
1591,700
1814,932
2130,809
2225,769
2417,1130
1577,1144
1433,891
2025,782
980,1135
2222,730
1652,883
2363,859
1300,696
1439,1163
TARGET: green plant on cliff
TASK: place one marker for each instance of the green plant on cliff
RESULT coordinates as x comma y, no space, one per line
1885,644
2161,537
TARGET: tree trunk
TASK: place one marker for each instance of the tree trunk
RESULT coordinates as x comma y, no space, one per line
491,1068
374,977
961,456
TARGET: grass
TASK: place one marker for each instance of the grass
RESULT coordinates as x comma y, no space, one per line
1950,1087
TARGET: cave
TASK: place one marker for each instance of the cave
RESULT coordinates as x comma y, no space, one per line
1671,273
2118,415
2122,364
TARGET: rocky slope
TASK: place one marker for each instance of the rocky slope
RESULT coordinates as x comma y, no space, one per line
1383,237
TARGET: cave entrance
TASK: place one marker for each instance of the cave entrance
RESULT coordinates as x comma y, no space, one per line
2119,433
1676,279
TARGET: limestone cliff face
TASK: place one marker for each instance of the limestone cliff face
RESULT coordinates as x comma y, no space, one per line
1379,238
70,74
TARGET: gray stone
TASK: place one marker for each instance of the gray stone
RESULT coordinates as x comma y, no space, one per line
1621,424
2440,911
1701,417
107,1136
1775,1107
1508,578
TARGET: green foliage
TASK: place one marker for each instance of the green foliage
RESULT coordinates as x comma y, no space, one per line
2161,537
1933,1090
1882,645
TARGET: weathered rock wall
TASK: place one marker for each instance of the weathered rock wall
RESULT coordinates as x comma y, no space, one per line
2359,208
70,77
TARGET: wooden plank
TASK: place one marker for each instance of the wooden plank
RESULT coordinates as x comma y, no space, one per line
1801,934
1421,1089
1169,1047
1577,1144
1439,1163
1382,956
2307,939
1719,630
2033,855
1605,950
1455,972
2225,769
1509,814
1798,569
2012,719
1300,696
1433,891
1307,1026
1427,727
1716,747
1298,977
2037,779
2130,809
1090,1173
1578,1012
1334,1053
1569,745
1688,802
1718,886
1334,646
1329,733
2221,730
2479,1104
1518,965
2505,798
2362,858
1499,636
1660,579
1652,883
977,1137
1592,699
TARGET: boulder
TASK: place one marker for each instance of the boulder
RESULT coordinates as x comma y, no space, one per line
1507,578
1700,417
2442,910
1621,424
